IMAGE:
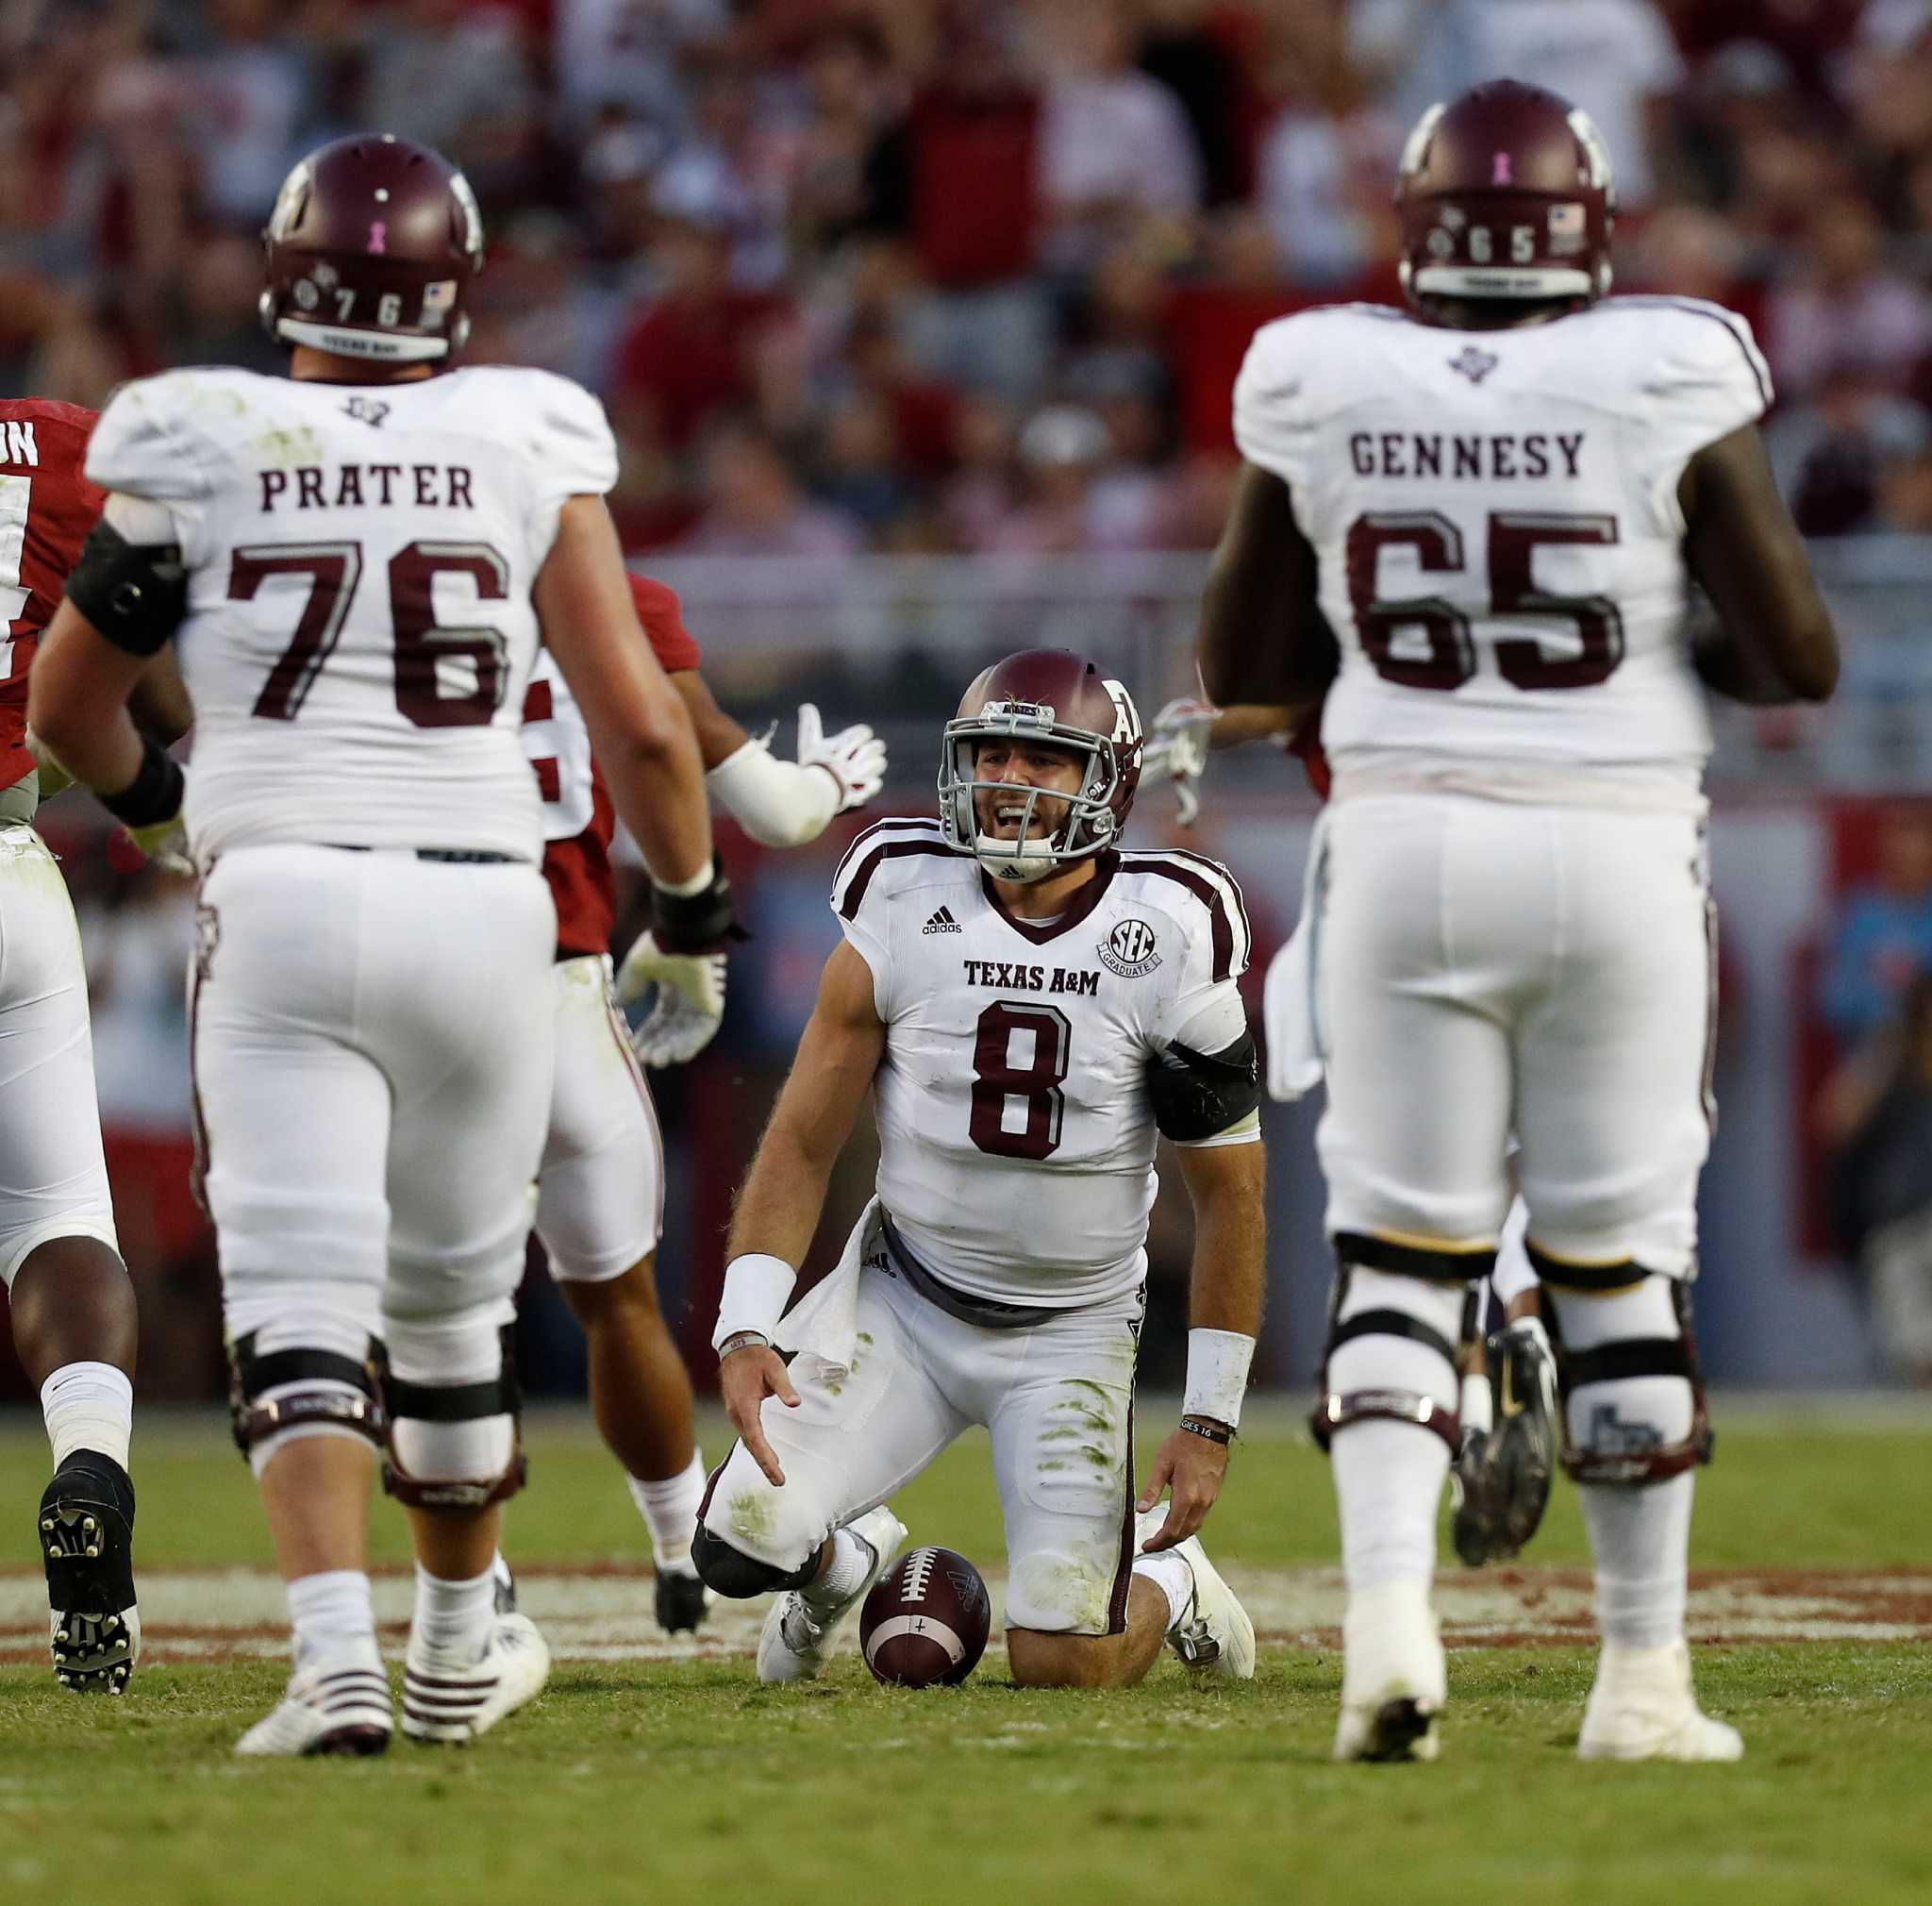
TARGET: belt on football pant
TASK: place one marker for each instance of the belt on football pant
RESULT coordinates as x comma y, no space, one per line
461,857
985,1313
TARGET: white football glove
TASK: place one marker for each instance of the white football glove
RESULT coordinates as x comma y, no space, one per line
1177,750
689,1001
855,757
54,778
165,845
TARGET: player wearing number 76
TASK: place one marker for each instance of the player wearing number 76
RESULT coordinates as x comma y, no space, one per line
1032,1006
354,564
1494,507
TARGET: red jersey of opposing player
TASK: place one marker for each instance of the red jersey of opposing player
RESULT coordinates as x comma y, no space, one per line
578,819
46,509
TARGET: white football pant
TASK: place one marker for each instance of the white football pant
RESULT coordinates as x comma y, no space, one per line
372,1045
600,1194
52,1177
1485,967
1057,1397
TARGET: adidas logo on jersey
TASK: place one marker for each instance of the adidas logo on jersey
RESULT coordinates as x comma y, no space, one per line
942,922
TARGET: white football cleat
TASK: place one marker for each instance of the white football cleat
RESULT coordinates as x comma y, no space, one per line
1215,1636
446,1697
796,1643
1642,1707
331,1708
1394,1678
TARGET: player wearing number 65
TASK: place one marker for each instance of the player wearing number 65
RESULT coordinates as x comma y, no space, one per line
355,565
1495,506
1032,1007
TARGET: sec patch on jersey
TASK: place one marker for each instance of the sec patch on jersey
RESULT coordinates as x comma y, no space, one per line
926,1622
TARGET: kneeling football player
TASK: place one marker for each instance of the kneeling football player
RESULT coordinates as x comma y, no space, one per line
1033,1008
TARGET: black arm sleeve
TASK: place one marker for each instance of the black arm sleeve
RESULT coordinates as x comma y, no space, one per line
1196,1095
136,594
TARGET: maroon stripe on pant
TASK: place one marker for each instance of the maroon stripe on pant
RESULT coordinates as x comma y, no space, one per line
1123,1575
197,1122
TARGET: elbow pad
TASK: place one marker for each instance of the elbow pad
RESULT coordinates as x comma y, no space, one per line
134,594
779,804
1196,1095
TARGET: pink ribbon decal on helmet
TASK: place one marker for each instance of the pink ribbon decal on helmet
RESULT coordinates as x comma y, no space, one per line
1501,175
378,234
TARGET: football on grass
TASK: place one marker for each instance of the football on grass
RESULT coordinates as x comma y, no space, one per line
925,1623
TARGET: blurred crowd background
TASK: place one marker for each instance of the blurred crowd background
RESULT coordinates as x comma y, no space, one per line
964,275
958,289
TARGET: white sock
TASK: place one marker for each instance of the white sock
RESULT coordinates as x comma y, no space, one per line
1168,1570
1389,1481
89,1406
852,1560
670,1510
456,1615
1642,1540
1388,1476
334,1618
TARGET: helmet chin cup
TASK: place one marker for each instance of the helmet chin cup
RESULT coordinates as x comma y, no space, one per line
1019,862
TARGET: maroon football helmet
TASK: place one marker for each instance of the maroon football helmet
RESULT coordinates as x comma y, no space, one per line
1506,192
1053,695
370,250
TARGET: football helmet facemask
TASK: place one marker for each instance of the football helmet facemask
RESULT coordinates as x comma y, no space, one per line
1056,697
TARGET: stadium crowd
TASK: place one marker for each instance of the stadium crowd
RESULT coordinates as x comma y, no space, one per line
919,275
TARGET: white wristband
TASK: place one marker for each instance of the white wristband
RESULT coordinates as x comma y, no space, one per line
685,889
1218,1365
757,1289
779,804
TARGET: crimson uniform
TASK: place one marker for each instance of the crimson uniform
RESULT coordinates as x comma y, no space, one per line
600,1194
53,1178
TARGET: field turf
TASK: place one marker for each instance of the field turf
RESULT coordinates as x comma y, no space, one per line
651,1779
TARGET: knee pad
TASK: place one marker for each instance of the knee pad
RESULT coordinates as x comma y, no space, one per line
456,1445
1396,1318
302,1390
1633,1393
737,1576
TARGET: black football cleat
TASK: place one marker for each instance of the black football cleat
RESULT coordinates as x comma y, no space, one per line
1502,1477
506,1596
86,1536
681,1600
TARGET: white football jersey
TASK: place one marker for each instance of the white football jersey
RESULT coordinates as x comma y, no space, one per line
359,629
1016,1133
558,746
1495,515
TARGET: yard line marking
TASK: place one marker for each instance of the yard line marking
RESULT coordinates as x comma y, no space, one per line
602,1612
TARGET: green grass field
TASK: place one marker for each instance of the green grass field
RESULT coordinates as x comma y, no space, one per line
680,1779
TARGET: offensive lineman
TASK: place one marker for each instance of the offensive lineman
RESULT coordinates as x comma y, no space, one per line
356,563
1496,506
1031,1007
1499,1481
600,1194
71,1304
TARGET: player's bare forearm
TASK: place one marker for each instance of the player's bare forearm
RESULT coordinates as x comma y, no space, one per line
1741,545
640,733
77,702
778,1206
719,736
1262,637
1257,722
1225,1185
159,702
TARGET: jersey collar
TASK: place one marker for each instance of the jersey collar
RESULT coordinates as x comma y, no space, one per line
1076,910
